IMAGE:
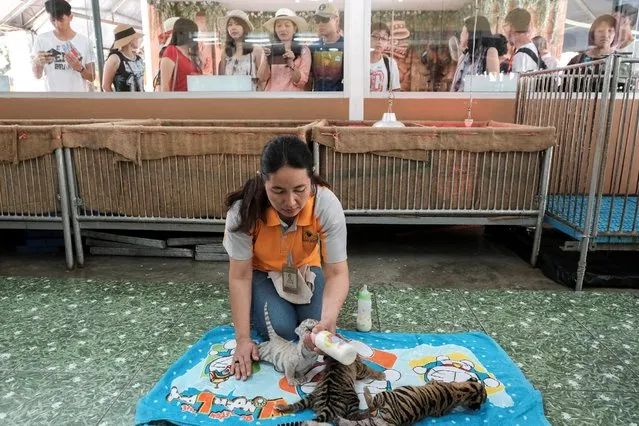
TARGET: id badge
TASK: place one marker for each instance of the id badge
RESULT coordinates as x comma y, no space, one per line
289,276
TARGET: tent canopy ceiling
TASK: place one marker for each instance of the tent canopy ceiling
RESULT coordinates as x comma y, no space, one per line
30,14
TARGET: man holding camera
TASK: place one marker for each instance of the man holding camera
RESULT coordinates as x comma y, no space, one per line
64,57
328,52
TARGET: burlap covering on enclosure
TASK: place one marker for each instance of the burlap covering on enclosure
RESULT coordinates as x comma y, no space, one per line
412,141
141,142
169,170
28,174
429,167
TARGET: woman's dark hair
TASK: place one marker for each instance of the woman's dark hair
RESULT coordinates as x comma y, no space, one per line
184,31
285,150
603,19
502,44
482,36
229,45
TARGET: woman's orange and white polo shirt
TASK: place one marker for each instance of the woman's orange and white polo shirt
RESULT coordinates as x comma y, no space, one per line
321,223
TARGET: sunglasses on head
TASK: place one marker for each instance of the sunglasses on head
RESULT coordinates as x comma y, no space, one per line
321,19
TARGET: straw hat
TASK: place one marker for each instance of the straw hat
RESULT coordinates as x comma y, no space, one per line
238,15
124,34
285,13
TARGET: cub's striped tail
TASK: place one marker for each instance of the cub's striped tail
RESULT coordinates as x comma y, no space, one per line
269,325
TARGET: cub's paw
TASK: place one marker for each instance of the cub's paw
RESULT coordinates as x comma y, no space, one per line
282,408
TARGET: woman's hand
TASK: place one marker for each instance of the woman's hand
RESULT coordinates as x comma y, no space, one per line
245,354
267,51
289,56
323,325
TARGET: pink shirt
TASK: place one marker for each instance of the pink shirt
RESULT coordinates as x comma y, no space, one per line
282,76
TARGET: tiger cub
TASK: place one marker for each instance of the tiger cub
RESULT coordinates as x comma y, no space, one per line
410,404
293,359
334,395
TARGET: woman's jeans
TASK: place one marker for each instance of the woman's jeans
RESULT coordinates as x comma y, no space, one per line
285,316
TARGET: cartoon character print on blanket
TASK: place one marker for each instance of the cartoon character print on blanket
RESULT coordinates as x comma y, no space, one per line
199,389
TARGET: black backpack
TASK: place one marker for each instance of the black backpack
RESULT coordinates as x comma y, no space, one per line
540,62
388,72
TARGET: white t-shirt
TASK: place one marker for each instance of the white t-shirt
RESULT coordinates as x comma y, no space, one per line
58,75
626,67
379,76
522,62
550,61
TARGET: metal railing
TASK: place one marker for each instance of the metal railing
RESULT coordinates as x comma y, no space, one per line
176,193
594,177
445,187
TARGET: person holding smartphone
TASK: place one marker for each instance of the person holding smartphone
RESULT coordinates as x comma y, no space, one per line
286,64
63,57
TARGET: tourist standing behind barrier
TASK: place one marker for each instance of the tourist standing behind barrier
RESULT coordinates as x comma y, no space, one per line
286,64
124,68
62,56
526,57
542,47
239,57
602,38
163,42
328,52
481,52
384,72
276,226
180,59
626,16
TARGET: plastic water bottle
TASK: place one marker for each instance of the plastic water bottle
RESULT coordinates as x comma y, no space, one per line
338,349
364,310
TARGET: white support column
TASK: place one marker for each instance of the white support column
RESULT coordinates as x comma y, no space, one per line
357,17
148,59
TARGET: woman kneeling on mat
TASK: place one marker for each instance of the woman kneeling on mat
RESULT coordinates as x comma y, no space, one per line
274,227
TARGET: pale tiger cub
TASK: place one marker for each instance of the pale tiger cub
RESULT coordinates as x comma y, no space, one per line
409,404
334,395
293,359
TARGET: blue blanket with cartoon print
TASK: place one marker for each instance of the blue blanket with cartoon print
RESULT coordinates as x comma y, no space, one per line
198,390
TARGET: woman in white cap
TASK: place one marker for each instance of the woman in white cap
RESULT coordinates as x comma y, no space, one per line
164,39
286,64
239,57
124,68
181,58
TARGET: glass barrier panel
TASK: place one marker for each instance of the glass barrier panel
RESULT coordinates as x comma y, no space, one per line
47,46
482,46
247,46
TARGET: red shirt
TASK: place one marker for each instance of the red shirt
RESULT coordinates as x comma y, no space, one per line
184,67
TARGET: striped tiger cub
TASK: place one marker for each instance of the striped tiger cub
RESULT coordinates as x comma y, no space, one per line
334,395
293,359
410,404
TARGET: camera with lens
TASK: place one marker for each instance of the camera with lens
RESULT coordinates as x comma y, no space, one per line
277,49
